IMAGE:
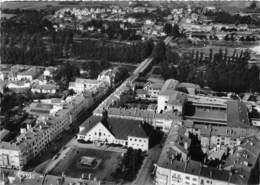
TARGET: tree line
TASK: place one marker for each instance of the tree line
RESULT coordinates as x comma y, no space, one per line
219,71
227,18
92,49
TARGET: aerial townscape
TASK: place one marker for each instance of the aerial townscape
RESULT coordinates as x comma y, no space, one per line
130,92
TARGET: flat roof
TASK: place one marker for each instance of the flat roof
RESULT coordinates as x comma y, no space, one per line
209,114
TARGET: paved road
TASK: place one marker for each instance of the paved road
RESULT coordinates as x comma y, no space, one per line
54,162
144,177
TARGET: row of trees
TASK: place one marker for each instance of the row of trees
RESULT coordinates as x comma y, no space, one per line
227,18
92,49
172,30
219,71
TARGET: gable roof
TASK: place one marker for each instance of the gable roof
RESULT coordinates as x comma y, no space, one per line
120,128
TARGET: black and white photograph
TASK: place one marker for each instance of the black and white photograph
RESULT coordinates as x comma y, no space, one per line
137,92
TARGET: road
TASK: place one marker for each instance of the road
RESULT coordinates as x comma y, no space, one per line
116,94
144,177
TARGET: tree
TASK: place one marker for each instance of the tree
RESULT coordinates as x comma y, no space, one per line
168,29
253,78
159,52
176,30
66,73
253,5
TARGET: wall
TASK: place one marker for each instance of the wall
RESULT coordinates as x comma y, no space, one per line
138,143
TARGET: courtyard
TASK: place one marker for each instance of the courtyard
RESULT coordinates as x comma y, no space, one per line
69,165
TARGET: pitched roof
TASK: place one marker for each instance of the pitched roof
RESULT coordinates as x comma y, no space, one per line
170,84
120,128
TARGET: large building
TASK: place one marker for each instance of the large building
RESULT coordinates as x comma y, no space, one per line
217,111
105,78
129,133
81,85
171,100
52,118
175,167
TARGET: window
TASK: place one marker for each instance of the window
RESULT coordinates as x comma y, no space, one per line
140,140
187,183
194,179
135,139
130,139
187,177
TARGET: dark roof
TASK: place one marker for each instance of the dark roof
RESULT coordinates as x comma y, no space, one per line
237,114
210,172
120,128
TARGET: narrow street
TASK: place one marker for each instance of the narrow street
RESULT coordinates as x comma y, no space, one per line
144,177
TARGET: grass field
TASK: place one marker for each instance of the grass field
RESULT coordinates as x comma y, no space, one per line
70,165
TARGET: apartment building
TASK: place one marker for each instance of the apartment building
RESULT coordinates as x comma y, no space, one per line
175,168
53,118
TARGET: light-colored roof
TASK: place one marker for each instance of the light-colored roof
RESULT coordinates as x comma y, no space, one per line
170,84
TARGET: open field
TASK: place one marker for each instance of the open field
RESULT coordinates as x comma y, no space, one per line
69,165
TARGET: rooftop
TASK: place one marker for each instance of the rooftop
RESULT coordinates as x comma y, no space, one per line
244,159
170,84
210,114
86,81
189,85
120,128
237,115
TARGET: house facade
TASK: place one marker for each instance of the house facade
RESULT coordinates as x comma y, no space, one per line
128,133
